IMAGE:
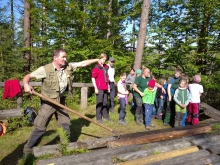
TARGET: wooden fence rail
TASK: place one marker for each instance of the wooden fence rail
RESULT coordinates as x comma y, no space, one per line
84,92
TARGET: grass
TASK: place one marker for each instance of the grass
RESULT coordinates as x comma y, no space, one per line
12,143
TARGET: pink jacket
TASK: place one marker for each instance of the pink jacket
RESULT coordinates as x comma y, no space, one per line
100,73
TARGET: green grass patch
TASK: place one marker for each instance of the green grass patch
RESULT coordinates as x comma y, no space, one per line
156,152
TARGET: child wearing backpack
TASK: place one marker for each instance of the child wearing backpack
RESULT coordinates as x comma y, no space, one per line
170,107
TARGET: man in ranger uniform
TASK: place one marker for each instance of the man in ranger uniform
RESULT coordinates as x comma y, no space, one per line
56,79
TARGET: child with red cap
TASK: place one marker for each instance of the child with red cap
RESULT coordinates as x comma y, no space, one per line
196,91
148,101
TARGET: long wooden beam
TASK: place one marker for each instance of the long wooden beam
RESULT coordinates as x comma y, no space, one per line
10,113
160,136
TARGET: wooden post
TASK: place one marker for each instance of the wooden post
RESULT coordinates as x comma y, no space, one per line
84,95
19,102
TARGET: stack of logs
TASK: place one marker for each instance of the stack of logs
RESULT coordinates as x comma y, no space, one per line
182,146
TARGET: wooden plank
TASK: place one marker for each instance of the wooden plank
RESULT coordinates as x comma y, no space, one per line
192,157
209,160
205,140
106,160
210,111
4,114
214,149
209,144
160,157
146,138
150,151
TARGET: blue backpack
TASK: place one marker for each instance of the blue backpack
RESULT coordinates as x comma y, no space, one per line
30,114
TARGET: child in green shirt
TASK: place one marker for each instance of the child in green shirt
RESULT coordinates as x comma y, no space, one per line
148,101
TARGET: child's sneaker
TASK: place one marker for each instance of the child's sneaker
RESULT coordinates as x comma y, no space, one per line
165,123
147,128
122,122
152,125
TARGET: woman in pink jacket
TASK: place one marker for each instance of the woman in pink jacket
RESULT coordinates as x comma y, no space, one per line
101,84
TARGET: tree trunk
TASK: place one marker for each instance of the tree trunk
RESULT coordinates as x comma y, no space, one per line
109,22
142,34
12,21
27,36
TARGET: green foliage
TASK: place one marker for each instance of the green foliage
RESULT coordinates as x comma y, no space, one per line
92,100
156,152
216,128
64,139
63,147
7,103
29,159
147,146
14,123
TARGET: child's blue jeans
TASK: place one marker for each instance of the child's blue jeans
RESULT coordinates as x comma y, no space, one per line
122,108
148,113
160,105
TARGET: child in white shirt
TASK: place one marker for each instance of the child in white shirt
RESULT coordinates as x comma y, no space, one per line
122,97
196,91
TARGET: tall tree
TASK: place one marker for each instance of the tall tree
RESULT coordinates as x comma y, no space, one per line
27,36
142,34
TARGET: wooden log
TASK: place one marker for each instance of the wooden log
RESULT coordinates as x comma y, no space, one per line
209,160
214,149
158,137
91,156
4,114
204,140
106,160
98,154
210,111
102,142
150,151
217,163
208,145
89,144
192,157
160,157
165,131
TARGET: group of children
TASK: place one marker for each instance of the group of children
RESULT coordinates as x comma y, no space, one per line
178,106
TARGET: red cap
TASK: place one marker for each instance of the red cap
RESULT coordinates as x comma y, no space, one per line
151,83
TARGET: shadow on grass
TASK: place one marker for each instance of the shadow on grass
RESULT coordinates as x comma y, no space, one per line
13,157
76,127
17,154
